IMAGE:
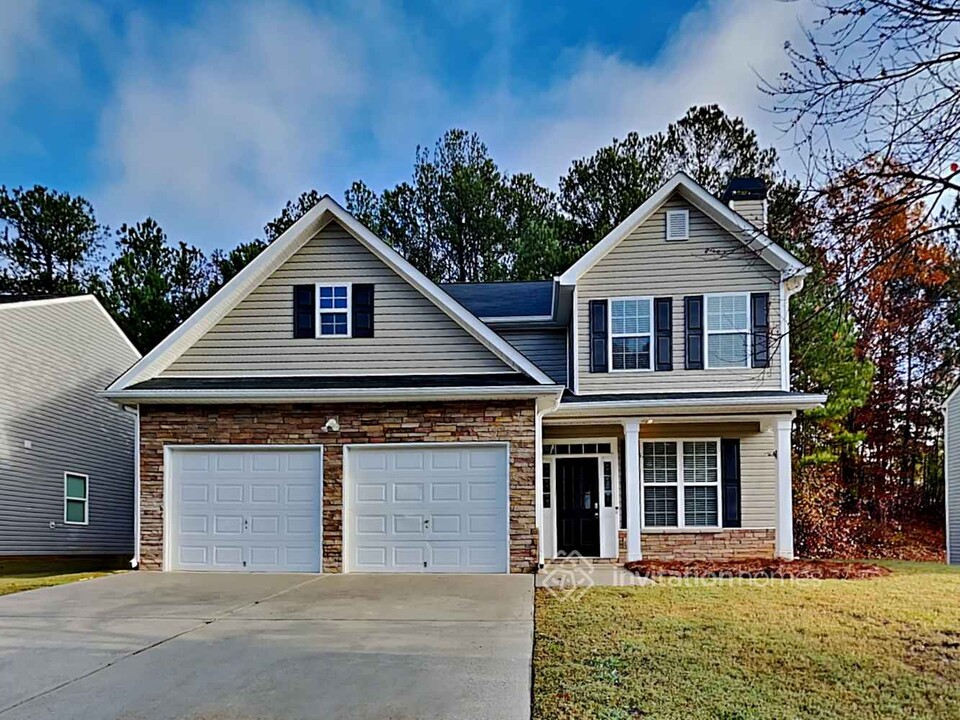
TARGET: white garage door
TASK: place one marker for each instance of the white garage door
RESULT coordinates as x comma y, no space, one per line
423,508
247,510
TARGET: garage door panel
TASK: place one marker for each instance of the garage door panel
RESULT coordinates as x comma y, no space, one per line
443,506
246,509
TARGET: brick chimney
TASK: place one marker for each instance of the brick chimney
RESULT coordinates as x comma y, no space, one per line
748,197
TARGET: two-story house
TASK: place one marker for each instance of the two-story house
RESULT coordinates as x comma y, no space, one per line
331,409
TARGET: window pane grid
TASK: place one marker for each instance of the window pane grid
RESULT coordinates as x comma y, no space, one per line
728,331
681,474
546,485
660,506
608,484
630,331
333,308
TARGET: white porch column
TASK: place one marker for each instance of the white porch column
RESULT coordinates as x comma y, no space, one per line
784,548
631,446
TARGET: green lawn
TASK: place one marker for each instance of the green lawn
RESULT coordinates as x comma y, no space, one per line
18,575
885,648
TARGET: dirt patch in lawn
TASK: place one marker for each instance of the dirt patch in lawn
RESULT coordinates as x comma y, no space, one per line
758,568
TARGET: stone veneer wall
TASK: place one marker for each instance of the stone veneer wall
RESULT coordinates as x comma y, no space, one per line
735,544
739,544
489,421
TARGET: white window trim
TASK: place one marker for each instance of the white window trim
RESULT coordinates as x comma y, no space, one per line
85,499
349,310
680,211
611,335
680,484
707,332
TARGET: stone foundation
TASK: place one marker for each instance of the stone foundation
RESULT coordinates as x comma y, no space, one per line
723,545
489,421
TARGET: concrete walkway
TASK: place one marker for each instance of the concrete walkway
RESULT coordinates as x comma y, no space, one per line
231,646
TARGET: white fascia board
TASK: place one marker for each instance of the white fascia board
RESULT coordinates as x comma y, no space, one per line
731,221
763,404
341,395
20,304
279,251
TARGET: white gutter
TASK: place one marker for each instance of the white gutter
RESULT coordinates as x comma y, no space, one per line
800,402
133,396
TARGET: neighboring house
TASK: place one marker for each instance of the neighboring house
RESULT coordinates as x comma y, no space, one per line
66,454
951,454
333,409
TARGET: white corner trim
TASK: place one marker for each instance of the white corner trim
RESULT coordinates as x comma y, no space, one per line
784,533
135,560
740,227
231,294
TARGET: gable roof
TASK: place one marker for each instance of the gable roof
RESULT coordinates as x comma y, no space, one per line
39,302
697,195
281,250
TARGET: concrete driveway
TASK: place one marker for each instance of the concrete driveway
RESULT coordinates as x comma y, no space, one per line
228,646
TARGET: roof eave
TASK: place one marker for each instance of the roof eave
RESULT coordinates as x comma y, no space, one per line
132,396
694,405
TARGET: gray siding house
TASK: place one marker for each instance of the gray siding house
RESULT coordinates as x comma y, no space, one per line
331,409
951,412
66,454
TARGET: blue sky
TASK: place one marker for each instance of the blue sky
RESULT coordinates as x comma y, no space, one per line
208,116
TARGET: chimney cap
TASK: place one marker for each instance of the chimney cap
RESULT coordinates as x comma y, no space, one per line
744,188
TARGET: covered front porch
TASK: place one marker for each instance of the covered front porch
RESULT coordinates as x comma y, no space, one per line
617,484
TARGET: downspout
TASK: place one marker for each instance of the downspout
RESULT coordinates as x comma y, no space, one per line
135,560
552,403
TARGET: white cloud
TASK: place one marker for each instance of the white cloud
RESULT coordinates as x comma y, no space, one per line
715,57
213,126
228,119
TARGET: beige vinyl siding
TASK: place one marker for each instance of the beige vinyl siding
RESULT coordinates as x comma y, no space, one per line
953,479
645,264
758,466
412,335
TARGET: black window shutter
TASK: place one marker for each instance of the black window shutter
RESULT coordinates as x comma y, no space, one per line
693,332
362,303
598,336
663,328
304,315
730,481
760,306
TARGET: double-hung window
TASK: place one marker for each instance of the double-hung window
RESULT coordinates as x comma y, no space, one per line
333,310
631,321
681,483
75,487
728,330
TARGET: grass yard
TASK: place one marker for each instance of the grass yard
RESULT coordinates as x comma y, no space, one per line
19,575
731,649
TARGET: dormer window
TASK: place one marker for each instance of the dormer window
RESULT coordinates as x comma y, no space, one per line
678,224
333,310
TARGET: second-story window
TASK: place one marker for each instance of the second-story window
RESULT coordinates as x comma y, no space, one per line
728,330
630,333
333,310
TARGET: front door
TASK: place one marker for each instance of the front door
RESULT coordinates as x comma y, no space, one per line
578,506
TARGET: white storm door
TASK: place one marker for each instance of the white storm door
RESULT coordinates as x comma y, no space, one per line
427,508
245,509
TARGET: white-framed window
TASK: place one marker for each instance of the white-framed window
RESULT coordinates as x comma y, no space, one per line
728,330
333,310
678,224
75,489
631,333
680,480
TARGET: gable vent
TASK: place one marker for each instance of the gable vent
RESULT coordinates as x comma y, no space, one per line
678,224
